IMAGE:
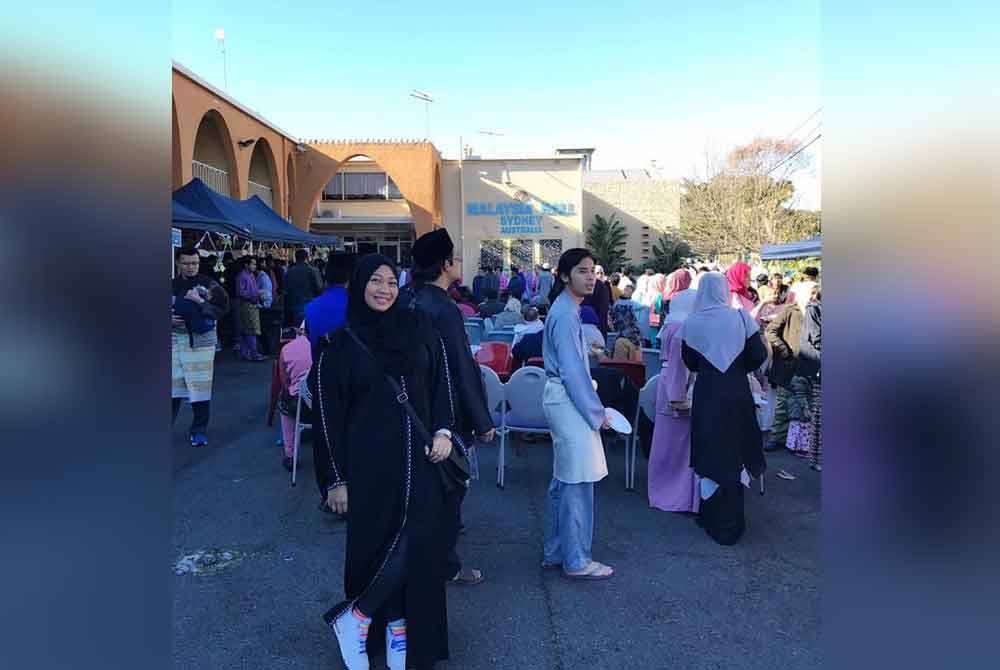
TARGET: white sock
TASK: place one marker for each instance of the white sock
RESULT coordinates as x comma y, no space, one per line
395,645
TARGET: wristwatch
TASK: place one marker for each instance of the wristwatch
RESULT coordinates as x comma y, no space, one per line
444,432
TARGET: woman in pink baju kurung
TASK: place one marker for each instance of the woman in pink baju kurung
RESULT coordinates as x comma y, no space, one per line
672,484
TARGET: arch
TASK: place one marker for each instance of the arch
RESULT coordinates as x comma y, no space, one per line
175,148
213,146
264,171
338,165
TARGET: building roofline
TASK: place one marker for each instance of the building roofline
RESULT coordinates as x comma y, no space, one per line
232,101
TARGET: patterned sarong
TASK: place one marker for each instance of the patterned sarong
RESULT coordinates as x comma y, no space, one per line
249,318
191,369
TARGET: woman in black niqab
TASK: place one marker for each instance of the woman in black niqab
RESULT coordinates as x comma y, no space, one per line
396,547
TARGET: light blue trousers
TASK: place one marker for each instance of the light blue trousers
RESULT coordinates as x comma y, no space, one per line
569,524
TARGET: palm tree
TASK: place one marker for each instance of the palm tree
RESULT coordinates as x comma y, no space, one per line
669,253
606,239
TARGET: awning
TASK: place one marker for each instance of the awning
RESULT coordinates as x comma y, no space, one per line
803,249
199,207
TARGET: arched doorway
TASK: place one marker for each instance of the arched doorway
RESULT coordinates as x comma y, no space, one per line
362,205
263,178
214,160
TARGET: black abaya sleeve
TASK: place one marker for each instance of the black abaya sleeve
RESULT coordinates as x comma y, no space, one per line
333,395
441,401
466,379
692,358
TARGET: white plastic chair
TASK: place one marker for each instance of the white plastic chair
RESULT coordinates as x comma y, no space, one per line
495,403
525,414
646,405
299,426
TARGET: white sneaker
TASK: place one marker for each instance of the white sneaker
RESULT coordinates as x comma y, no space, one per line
395,645
352,636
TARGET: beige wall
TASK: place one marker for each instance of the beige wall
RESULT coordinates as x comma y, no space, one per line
393,208
647,207
539,183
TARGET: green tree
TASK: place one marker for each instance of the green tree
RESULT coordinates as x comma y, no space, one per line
606,239
744,200
669,253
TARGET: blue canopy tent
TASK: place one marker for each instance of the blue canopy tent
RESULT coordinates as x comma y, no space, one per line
803,249
184,217
196,206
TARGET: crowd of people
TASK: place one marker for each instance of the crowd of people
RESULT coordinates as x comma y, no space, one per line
383,365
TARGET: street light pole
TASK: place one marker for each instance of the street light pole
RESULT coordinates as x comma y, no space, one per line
427,99
220,37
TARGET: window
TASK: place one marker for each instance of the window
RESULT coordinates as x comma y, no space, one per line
551,250
394,192
364,186
491,253
334,189
522,254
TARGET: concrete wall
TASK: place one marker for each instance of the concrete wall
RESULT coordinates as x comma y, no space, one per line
551,187
646,207
192,101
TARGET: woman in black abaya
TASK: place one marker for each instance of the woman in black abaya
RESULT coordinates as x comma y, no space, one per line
722,345
383,477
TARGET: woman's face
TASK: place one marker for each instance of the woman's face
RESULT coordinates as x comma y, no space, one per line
382,289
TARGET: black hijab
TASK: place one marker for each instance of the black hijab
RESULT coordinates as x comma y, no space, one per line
384,333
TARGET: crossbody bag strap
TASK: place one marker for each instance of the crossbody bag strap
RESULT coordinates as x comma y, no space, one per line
401,396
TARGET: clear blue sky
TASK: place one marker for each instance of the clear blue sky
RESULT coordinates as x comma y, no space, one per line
642,81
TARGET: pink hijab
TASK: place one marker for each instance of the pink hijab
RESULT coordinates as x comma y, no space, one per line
738,276
677,281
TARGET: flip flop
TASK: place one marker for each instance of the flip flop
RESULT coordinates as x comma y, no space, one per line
551,566
592,573
467,577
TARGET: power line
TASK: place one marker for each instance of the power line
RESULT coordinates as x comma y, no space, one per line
818,110
801,149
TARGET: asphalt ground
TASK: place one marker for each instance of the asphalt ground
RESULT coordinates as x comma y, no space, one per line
678,600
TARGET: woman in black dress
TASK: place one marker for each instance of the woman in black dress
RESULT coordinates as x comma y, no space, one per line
383,477
722,345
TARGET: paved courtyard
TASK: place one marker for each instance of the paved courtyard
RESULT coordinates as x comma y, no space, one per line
678,600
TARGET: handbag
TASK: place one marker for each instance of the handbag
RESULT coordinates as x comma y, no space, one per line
454,470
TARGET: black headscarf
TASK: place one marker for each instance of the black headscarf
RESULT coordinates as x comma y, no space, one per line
384,333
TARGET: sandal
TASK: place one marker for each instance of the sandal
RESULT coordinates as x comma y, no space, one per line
785,474
551,566
595,571
468,577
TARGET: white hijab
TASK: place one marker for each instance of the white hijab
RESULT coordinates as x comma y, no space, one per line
513,305
715,330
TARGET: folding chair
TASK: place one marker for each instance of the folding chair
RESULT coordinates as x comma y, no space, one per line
495,402
474,331
496,355
610,340
299,426
523,395
651,358
500,335
647,405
